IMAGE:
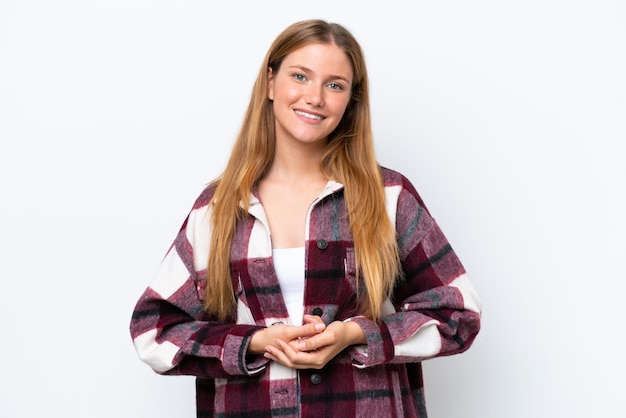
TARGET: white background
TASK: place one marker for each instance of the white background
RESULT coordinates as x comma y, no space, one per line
508,116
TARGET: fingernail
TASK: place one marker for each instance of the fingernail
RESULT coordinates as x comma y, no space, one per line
319,327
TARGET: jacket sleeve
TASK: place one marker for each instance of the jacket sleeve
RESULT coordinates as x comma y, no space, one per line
434,310
172,332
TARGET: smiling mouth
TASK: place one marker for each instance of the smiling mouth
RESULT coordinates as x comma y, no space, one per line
308,115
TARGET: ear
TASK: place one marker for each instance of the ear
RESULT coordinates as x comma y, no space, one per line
270,83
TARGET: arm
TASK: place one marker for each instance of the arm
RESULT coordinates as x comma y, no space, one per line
170,329
436,311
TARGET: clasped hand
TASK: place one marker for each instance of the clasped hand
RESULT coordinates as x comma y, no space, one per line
309,346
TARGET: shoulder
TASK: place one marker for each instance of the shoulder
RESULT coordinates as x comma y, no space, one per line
406,210
206,196
394,180
200,208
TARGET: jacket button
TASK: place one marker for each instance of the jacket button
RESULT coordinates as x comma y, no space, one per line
316,379
318,311
322,244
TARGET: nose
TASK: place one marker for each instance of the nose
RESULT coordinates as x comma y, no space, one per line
314,95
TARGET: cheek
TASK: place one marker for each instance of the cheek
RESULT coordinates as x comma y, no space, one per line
284,91
291,94
340,107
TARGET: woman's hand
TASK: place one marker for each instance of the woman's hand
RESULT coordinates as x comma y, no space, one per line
315,351
282,332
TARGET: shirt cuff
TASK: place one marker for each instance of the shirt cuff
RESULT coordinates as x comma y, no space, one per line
379,348
235,357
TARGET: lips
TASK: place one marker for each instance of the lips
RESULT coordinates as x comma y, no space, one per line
307,115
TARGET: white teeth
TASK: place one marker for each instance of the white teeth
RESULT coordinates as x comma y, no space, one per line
308,115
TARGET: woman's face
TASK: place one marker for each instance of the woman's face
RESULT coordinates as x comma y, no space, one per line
310,93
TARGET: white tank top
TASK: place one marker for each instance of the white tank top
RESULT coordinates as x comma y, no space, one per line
289,265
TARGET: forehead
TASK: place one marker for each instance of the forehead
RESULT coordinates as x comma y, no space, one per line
321,58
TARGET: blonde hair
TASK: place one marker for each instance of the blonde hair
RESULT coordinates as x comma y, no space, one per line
349,159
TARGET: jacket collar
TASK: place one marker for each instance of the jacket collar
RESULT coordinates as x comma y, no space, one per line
256,209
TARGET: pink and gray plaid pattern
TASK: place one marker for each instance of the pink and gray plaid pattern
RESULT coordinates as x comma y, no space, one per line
434,312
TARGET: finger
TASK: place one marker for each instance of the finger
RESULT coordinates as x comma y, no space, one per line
282,353
277,356
309,359
286,349
312,319
312,343
326,338
299,359
304,331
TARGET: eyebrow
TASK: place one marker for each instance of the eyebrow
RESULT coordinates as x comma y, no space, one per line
308,70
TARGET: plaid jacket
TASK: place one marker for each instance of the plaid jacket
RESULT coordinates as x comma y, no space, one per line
433,312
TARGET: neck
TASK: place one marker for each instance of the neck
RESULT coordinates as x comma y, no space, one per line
297,163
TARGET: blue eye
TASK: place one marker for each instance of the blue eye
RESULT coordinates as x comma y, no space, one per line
335,86
299,77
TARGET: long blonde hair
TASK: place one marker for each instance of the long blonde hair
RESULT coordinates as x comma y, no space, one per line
349,159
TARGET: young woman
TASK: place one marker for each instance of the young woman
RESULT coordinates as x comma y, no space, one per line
307,281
